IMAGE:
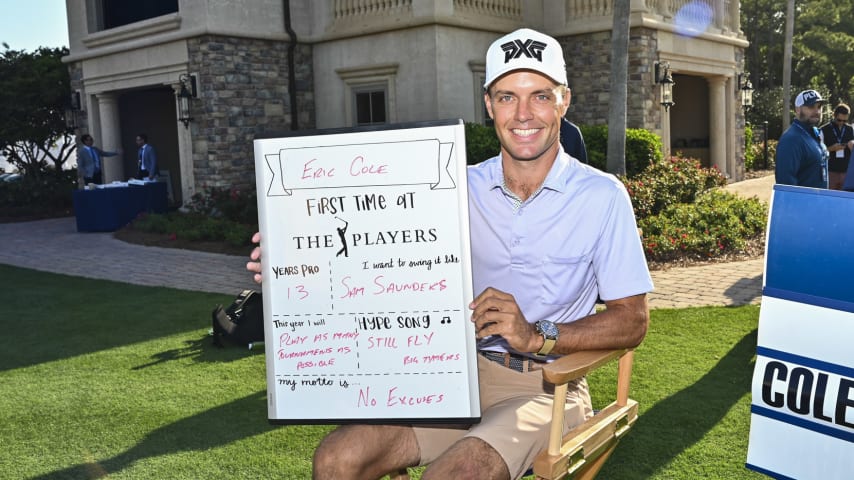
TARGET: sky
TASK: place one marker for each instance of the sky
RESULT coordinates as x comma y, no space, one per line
30,24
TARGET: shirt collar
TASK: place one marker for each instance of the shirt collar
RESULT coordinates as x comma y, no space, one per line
557,178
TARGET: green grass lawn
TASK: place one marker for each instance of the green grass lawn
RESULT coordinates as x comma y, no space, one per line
101,379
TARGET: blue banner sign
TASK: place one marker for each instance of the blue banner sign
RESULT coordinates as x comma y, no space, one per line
802,411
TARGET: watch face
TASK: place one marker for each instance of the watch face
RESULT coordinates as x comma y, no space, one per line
547,328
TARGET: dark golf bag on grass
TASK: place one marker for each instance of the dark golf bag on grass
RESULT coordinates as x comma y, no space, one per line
242,323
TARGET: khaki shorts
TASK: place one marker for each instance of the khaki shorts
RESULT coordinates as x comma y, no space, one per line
516,410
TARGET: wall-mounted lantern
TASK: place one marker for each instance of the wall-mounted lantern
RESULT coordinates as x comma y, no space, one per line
187,92
72,110
746,89
663,77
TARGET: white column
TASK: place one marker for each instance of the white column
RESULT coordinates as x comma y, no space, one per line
717,124
108,111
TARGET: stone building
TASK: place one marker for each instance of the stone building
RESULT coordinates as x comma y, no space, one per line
255,68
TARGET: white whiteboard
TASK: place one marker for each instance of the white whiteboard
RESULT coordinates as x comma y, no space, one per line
367,275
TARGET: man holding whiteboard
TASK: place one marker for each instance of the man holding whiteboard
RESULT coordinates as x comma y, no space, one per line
550,236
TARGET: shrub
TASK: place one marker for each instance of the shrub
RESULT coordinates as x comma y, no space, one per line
228,203
749,151
197,227
642,148
718,223
759,154
45,195
596,141
481,143
670,182
217,214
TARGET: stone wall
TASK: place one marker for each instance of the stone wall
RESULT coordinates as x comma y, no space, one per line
243,92
588,58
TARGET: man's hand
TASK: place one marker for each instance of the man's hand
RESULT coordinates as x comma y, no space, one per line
254,265
497,313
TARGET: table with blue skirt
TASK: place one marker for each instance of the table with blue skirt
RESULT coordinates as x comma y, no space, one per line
109,209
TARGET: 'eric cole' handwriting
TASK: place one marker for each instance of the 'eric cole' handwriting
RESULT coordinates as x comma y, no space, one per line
358,166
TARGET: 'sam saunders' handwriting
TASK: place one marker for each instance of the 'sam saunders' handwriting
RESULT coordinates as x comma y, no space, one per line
381,286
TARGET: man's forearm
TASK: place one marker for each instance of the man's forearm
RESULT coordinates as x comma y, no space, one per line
622,324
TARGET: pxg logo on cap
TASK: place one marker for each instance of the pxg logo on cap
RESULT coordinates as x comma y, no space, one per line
808,98
525,49
517,48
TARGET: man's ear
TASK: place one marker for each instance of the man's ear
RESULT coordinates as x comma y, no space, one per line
566,101
488,104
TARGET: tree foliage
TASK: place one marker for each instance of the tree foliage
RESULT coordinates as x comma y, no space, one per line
34,94
823,40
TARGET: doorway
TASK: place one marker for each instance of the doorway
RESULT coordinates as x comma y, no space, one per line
152,111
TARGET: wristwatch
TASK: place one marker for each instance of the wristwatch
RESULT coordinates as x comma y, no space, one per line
549,332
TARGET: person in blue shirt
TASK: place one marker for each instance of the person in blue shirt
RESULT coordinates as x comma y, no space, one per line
572,141
147,159
89,160
801,154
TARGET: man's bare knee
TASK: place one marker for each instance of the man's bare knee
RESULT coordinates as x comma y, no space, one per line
470,457
337,452
364,451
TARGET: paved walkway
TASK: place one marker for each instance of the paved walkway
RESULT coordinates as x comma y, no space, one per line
55,246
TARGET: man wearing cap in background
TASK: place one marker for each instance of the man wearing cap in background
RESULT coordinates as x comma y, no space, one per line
801,155
550,235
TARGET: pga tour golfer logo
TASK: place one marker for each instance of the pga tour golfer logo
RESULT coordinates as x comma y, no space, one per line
528,48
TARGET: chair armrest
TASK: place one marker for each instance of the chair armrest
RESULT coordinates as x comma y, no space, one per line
577,364
600,432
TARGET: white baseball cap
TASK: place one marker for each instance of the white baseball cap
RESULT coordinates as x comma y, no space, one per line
525,49
808,98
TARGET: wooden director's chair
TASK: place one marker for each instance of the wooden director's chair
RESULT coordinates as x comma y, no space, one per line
582,452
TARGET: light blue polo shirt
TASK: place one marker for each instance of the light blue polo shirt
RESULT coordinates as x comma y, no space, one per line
572,241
